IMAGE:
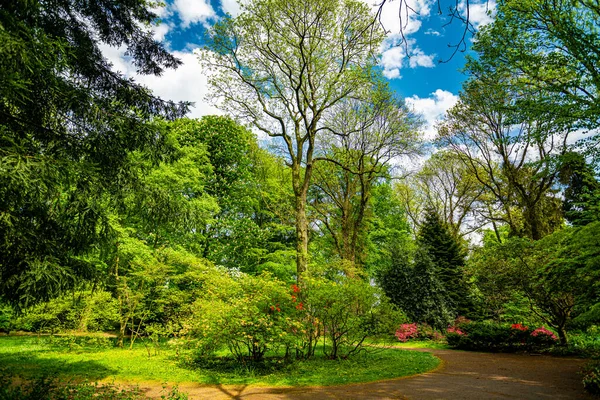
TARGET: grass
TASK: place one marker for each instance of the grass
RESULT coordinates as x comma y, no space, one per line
412,344
30,357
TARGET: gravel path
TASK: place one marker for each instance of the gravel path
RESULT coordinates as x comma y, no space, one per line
461,375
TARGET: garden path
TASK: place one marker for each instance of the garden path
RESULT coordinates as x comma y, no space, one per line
461,375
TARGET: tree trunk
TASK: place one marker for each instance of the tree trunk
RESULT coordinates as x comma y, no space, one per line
301,236
562,335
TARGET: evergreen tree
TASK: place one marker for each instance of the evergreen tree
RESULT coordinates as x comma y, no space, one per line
414,287
449,259
581,203
67,126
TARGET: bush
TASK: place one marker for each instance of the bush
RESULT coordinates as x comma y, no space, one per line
345,312
491,336
408,332
247,314
591,378
48,388
81,311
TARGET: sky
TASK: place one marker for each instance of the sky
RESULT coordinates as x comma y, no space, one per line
428,85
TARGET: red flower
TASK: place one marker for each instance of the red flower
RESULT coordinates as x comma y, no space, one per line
520,327
295,288
299,306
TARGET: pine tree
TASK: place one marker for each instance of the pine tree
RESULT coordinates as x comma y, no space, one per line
448,257
581,204
67,126
413,286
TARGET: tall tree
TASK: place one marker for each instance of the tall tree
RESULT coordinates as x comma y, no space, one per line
448,256
363,137
67,124
512,154
552,51
282,65
581,203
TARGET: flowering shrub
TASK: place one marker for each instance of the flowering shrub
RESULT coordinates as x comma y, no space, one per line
406,332
455,330
491,336
543,331
591,378
520,327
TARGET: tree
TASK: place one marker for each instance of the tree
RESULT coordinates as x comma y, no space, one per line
282,66
447,255
413,286
364,136
582,193
552,51
557,274
512,154
67,124
446,185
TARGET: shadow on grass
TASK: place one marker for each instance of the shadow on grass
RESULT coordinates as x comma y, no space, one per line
29,365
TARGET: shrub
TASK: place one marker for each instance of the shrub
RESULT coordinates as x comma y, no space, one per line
345,311
407,331
247,314
591,378
491,336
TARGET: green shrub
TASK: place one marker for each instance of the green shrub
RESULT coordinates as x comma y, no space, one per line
591,378
247,314
81,311
495,337
345,312
48,388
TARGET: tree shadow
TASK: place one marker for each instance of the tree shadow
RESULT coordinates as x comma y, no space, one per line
30,365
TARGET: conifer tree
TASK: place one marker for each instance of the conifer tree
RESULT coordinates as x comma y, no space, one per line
449,259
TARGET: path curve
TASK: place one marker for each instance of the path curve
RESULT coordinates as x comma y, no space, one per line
462,375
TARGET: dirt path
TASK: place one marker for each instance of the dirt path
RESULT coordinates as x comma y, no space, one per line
462,375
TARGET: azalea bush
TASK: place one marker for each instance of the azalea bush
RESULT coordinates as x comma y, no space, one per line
249,315
492,336
591,378
344,312
410,331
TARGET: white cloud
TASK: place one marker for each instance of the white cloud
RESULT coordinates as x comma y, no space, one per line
480,14
231,6
392,60
193,11
394,57
186,83
420,59
432,108
432,32
159,32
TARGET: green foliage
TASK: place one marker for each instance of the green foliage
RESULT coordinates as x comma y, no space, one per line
68,124
248,314
413,285
591,378
82,311
344,312
581,204
495,337
448,257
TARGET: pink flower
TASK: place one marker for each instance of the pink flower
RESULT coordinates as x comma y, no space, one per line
406,331
455,330
543,331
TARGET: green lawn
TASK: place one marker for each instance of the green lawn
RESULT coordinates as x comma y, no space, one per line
30,356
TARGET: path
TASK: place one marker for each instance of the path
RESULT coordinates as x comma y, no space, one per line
462,375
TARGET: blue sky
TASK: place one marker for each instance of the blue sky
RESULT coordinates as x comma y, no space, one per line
429,86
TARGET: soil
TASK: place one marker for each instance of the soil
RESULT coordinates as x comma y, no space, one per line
461,375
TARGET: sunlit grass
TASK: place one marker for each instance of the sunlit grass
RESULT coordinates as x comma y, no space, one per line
30,356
